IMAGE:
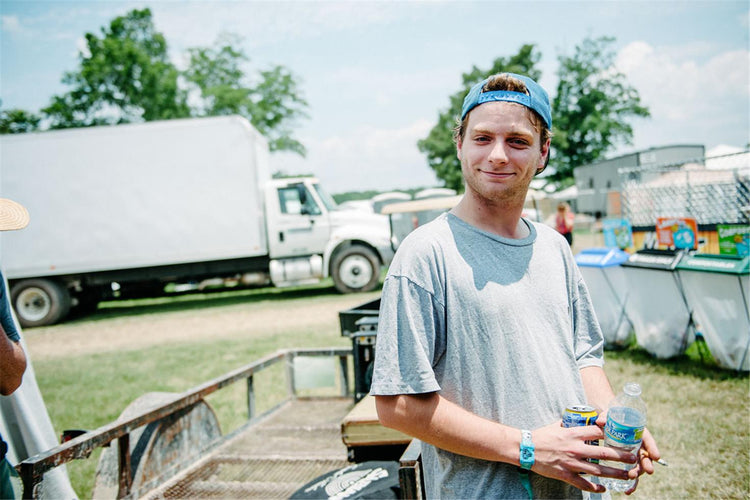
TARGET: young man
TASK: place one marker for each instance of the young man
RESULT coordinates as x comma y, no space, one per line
486,331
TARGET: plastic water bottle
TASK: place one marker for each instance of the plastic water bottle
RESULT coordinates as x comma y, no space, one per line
626,419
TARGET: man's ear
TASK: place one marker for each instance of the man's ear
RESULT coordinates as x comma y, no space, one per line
459,143
544,158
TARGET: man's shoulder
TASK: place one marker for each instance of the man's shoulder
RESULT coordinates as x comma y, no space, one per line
546,231
430,234
423,250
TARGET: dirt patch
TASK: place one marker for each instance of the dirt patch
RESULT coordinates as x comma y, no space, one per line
237,321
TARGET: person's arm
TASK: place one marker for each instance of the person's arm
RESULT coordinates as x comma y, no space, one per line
559,453
599,393
12,364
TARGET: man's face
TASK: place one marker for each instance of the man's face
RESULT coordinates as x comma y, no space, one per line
500,152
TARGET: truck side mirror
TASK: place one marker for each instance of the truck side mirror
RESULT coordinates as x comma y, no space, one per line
302,194
303,199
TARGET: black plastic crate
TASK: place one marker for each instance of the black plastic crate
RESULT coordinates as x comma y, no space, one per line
348,319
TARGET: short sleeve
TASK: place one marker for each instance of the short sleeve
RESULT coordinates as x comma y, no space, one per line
589,340
410,339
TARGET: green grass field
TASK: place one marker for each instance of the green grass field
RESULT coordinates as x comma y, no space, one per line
697,412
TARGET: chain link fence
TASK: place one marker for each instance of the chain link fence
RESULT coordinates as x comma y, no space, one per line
713,191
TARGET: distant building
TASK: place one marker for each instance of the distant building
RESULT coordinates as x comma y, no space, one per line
599,184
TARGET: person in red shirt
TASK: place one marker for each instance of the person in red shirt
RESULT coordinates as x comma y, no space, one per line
564,221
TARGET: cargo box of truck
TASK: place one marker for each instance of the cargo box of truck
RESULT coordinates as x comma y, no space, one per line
122,211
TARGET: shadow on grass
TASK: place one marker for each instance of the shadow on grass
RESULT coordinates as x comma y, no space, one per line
696,362
201,300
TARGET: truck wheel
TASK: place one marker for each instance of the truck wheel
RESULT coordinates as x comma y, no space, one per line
39,302
355,269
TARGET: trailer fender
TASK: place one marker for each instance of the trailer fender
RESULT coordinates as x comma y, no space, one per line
159,450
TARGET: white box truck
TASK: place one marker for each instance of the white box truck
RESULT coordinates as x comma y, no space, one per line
124,210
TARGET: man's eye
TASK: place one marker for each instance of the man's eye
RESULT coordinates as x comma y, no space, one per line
519,142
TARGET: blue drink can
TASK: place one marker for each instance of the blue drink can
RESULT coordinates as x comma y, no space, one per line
578,415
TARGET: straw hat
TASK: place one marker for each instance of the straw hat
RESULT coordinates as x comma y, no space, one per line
12,215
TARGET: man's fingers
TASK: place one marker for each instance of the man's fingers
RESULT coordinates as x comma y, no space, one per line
582,483
633,488
613,454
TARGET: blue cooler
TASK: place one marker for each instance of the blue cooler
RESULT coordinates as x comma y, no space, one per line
656,305
605,280
716,288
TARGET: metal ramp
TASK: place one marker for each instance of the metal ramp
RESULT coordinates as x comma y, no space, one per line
272,458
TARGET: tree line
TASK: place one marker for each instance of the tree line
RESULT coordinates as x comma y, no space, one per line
124,75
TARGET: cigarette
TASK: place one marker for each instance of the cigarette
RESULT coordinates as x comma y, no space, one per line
661,461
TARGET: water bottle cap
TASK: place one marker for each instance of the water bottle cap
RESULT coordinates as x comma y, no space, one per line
632,389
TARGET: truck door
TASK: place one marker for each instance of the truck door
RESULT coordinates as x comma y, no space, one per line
302,226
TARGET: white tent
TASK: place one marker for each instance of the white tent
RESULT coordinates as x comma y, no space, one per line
27,428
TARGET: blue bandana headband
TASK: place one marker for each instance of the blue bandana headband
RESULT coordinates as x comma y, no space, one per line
536,99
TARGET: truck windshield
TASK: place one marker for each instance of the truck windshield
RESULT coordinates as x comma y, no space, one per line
327,199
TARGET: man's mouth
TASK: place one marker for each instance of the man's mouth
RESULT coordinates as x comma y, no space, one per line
497,175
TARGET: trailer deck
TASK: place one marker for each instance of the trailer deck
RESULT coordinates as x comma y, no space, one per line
272,458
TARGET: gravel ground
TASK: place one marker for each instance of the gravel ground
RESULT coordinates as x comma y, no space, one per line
238,320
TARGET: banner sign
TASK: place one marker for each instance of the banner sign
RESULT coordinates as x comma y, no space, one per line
678,232
734,240
618,233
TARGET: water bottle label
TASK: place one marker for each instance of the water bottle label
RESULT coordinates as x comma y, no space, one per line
623,434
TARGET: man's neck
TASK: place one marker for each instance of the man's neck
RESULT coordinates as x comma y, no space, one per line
502,218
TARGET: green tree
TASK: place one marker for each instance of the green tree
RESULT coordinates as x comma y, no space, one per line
124,76
591,108
272,105
18,121
589,112
438,146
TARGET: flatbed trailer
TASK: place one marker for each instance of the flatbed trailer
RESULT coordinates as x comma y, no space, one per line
170,449
273,458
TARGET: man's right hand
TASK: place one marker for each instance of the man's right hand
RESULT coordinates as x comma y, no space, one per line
562,453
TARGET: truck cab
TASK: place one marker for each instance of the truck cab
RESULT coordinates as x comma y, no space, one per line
310,238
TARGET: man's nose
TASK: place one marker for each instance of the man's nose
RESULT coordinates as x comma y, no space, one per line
498,154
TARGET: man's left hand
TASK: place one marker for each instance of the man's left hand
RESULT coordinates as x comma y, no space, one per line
647,455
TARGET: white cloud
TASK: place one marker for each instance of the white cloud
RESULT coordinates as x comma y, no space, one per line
745,19
683,88
365,158
693,96
266,23
11,24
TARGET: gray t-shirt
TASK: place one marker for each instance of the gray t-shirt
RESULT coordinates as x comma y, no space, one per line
498,326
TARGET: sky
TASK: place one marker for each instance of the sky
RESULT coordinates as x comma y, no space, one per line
376,74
